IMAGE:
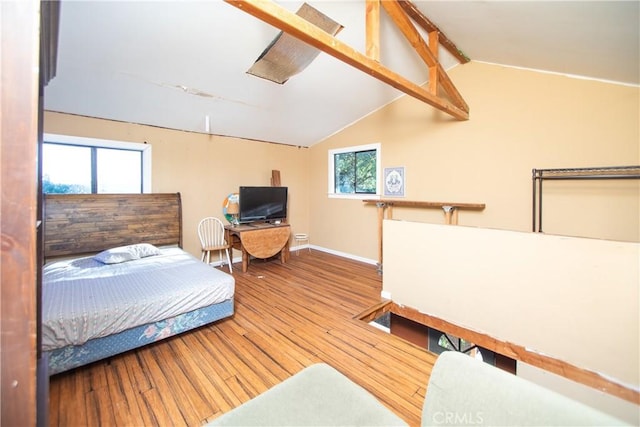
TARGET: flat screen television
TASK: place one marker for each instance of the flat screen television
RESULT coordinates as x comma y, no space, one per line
266,204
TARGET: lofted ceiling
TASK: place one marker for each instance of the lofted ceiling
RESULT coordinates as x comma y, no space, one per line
183,64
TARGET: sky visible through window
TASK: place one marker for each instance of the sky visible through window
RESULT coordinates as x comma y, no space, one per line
67,169
119,171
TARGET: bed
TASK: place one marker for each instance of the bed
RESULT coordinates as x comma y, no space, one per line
116,277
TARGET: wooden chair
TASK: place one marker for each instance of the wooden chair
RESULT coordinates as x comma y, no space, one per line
211,233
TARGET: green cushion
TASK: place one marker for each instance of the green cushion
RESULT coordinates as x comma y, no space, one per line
316,396
466,391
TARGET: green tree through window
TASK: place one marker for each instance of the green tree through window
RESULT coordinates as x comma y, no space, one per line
355,172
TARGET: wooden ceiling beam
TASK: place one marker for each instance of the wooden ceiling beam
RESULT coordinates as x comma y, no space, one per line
373,29
298,27
403,22
434,42
429,26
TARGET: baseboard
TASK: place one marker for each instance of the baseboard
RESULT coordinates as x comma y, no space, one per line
344,255
222,263
292,249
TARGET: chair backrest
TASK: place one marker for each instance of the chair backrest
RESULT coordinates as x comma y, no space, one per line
211,233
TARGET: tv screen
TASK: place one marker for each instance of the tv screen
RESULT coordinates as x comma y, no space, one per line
262,204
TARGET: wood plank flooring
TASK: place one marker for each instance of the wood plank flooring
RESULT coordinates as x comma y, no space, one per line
288,316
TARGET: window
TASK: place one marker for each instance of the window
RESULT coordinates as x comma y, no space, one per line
354,171
85,165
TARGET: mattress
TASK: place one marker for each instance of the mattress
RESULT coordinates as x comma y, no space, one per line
73,356
84,299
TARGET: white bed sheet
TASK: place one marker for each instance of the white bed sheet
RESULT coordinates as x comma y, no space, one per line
85,299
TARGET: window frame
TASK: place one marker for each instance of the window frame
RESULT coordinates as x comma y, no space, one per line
331,171
143,148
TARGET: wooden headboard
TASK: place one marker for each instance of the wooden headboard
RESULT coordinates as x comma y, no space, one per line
76,224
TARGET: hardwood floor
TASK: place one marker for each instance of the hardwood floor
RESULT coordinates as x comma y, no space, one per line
288,316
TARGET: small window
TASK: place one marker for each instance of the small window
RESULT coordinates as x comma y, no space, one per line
85,165
354,171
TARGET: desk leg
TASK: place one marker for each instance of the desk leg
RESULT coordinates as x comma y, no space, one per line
284,253
245,260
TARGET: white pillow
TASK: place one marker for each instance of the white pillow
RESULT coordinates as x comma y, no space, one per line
127,253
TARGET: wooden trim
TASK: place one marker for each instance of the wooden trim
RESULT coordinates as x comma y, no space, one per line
298,27
374,311
19,79
518,352
76,224
429,26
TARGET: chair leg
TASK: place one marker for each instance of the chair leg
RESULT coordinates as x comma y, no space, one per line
229,261
202,257
208,257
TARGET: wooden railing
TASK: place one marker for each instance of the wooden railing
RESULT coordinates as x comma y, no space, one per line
386,206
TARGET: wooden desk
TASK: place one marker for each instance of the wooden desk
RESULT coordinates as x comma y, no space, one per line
260,241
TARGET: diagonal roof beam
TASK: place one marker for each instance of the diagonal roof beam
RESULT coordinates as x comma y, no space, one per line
434,43
402,21
429,26
298,27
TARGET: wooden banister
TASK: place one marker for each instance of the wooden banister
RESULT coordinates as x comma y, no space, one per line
450,213
420,204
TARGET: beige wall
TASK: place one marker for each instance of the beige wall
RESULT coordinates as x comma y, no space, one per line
520,120
573,299
203,168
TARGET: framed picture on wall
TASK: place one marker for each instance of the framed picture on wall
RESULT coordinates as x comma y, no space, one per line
394,182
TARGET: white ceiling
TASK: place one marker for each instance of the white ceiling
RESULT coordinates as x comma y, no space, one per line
173,63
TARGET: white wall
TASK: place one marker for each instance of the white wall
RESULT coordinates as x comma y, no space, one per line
620,408
574,299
